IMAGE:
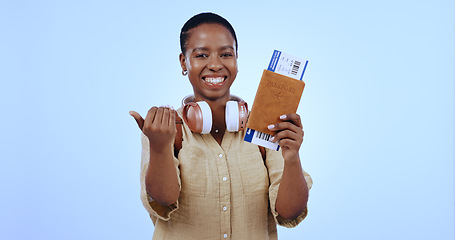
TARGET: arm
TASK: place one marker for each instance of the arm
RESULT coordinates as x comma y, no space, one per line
161,180
293,190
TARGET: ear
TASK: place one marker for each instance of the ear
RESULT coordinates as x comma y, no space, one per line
182,62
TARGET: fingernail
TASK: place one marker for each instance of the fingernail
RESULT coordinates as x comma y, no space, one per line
271,126
172,107
271,139
283,117
130,112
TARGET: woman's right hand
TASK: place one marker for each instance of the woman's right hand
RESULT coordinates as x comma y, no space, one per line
158,126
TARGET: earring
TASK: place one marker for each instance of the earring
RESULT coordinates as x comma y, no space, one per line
184,72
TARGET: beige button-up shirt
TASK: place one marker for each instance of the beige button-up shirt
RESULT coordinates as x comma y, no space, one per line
226,192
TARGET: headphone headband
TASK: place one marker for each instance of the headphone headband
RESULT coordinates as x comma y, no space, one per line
190,98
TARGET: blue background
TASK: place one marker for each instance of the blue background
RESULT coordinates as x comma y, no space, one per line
378,110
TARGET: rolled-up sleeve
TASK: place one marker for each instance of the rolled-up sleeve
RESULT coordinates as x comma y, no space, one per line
275,166
153,208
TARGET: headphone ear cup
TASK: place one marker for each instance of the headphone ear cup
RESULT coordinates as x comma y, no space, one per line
198,117
243,115
232,116
236,115
206,117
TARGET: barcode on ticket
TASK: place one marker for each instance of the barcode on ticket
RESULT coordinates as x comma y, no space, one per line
261,139
295,67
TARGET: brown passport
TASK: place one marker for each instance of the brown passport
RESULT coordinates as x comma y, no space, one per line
277,95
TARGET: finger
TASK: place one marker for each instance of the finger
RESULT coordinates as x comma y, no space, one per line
138,118
165,119
286,134
158,116
150,116
285,126
288,143
172,117
292,117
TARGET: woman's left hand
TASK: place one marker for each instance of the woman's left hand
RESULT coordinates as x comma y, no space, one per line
289,135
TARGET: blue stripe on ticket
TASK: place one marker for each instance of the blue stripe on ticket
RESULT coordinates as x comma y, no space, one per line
274,61
249,135
304,68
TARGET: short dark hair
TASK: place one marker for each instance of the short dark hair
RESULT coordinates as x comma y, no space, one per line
202,18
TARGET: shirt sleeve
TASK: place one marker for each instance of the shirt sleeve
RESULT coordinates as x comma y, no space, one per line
153,208
275,166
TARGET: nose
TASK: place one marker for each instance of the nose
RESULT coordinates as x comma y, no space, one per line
215,64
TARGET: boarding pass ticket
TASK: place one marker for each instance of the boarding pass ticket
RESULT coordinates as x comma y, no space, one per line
287,65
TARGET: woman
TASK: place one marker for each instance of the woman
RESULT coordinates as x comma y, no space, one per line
218,186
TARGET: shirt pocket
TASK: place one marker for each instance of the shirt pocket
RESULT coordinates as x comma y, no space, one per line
193,172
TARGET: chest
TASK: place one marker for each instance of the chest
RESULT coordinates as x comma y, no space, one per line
209,170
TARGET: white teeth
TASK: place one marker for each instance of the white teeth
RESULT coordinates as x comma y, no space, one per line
214,80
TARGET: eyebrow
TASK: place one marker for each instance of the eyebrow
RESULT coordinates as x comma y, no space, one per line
206,49
200,48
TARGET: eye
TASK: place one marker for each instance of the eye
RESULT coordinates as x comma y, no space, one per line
201,55
227,55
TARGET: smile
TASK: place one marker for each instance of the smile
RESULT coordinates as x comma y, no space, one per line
213,80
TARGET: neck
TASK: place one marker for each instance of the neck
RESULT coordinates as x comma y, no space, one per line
214,103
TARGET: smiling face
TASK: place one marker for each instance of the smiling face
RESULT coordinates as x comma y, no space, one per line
211,61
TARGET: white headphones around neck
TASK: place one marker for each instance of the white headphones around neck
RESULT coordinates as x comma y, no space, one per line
198,115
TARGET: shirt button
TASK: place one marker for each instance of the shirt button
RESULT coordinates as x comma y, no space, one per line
220,155
224,179
225,235
224,208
